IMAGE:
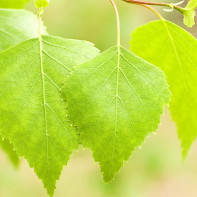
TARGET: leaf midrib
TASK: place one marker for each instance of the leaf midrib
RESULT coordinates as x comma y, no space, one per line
44,101
117,85
176,54
116,104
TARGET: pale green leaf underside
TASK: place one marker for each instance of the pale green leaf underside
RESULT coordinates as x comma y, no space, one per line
33,115
173,50
116,100
17,26
8,148
13,3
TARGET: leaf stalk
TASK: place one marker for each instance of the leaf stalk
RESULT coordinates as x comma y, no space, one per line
117,20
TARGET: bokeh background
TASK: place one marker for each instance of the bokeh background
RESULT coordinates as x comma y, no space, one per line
154,170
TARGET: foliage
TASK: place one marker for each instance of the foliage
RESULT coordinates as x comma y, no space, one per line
41,3
189,13
57,93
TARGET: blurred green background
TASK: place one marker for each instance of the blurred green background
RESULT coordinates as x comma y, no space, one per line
155,170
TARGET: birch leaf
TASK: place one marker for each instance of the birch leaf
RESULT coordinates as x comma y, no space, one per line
116,100
33,115
174,50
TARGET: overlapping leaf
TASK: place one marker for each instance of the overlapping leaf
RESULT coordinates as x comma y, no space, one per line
17,26
13,3
116,100
173,50
33,115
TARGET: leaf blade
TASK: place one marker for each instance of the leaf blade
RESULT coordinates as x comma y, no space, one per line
38,127
177,60
110,123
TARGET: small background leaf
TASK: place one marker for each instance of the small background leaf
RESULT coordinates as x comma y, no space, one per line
13,3
189,13
17,26
41,3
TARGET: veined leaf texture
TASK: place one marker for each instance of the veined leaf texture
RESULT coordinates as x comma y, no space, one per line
33,115
116,100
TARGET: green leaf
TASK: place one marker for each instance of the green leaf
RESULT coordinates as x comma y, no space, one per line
189,13
189,16
8,148
13,3
192,4
14,25
174,50
41,3
116,100
33,115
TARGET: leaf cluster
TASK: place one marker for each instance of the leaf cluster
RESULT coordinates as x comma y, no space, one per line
57,94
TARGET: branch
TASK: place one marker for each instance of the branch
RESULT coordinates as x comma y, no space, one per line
171,5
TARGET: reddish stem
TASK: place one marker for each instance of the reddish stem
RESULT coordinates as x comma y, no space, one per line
154,3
